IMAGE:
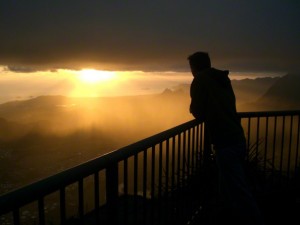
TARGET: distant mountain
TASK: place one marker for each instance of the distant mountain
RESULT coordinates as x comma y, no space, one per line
284,94
246,90
249,90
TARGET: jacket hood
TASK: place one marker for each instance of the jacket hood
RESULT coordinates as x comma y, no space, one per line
220,76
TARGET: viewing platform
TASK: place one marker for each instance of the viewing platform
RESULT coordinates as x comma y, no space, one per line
168,178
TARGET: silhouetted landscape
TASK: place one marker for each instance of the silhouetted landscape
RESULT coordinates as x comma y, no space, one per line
47,134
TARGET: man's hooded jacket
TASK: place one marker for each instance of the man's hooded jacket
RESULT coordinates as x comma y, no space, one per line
213,102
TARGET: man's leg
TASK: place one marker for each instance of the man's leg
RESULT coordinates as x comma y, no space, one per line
233,185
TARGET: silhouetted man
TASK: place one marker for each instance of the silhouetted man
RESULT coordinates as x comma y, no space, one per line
213,102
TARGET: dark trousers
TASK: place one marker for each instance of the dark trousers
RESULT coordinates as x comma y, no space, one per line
233,187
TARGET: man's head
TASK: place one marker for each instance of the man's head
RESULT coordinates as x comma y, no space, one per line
199,61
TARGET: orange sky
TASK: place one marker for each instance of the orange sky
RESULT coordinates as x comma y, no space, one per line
86,83
93,83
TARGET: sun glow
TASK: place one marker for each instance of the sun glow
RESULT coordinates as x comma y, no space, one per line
94,76
87,82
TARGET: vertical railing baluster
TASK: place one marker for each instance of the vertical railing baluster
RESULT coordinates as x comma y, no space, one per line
125,181
282,148
96,192
193,150
41,211
178,160
173,164
198,148
167,167
248,136
266,147
145,174
167,188
152,183
189,153
135,175
160,184
289,151
274,149
201,147
112,181
62,200
16,216
153,173
135,186
160,170
184,159
125,177
80,199
257,142
145,181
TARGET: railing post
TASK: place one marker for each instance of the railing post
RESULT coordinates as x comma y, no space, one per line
112,193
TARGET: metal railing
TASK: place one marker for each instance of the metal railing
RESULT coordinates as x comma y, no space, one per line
151,169
158,180
273,148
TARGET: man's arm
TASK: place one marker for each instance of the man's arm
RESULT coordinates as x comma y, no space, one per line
198,100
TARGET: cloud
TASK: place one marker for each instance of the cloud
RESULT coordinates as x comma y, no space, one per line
22,69
149,36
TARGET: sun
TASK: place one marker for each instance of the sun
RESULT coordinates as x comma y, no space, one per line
95,76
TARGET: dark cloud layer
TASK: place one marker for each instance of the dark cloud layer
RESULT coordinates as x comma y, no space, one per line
149,35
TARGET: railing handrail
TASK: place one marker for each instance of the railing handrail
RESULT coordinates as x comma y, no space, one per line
269,113
23,195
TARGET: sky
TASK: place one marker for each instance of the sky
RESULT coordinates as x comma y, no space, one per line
150,36
156,35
